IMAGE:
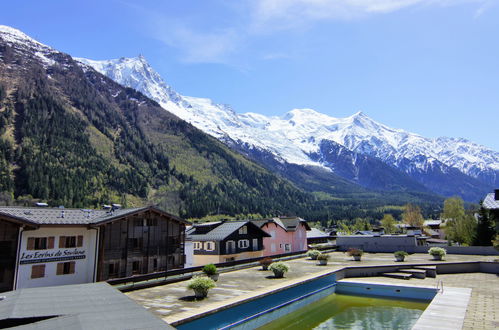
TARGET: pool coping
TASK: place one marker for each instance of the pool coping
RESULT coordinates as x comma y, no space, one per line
433,316
447,310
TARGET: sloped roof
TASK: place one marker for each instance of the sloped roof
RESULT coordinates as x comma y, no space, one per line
316,233
291,223
58,216
223,230
490,202
80,306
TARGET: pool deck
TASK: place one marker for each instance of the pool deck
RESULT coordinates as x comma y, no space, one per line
174,302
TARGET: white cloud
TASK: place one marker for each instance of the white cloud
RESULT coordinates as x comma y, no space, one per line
288,14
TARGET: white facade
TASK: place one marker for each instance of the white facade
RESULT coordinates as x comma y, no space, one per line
54,255
189,253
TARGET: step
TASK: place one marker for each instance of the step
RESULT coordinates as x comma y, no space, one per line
417,273
399,275
431,271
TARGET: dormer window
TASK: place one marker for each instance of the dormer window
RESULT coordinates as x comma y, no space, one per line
243,230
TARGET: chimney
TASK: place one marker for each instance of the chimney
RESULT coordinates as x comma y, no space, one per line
496,194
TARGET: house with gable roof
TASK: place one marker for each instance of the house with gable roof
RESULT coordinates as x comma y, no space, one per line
287,235
42,246
224,241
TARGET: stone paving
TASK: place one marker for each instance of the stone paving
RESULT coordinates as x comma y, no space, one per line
172,300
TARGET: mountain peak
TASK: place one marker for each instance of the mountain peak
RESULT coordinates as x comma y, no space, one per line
14,35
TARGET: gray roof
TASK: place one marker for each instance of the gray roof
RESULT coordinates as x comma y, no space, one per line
490,202
223,230
316,233
59,216
80,306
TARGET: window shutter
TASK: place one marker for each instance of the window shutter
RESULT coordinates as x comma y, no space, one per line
38,271
31,243
60,268
62,241
51,242
80,241
72,267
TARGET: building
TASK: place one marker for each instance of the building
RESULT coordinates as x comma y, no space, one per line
287,235
80,306
223,241
433,228
57,246
316,236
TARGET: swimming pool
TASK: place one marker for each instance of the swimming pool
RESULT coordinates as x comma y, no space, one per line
364,301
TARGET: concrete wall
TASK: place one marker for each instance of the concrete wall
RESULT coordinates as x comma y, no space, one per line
376,243
394,243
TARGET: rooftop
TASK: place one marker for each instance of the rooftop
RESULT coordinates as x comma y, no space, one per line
490,202
62,216
82,306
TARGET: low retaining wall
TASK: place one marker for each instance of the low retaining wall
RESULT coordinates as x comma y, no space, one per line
476,250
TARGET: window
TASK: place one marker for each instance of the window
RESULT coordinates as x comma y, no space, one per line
243,243
136,267
40,243
113,269
197,245
135,243
243,230
70,241
230,259
138,222
65,268
287,247
152,222
37,271
255,244
209,246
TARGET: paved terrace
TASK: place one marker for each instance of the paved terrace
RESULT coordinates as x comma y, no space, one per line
174,301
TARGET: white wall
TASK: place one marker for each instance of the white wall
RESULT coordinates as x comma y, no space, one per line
189,253
84,266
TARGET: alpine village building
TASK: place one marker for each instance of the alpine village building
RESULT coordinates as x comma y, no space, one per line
224,241
55,246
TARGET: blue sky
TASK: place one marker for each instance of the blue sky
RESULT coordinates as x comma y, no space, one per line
427,66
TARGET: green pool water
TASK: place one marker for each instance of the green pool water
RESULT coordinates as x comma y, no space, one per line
339,311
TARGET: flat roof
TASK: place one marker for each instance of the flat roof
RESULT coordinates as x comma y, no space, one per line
80,306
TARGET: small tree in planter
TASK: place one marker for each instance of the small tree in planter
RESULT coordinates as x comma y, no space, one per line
211,271
265,262
400,255
438,253
279,268
355,253
201,285
313,254
323,258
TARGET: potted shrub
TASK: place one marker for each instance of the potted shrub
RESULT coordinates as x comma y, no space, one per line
265,262
211,271
201,285
279,268
323,258
400,255
437,252
313,254
355,253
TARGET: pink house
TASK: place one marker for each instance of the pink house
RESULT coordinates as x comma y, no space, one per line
287,234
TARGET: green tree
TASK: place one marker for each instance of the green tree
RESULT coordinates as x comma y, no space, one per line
462,230
388,222
361,224
485,230
412,215
453,208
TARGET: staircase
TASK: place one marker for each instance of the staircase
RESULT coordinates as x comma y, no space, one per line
406,273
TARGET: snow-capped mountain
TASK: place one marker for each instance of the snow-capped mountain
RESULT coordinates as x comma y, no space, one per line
300,136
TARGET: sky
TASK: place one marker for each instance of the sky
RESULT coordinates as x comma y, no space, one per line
427,66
